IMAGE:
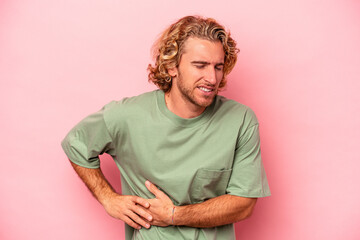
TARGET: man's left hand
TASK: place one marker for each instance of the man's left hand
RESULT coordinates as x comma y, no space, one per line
161,207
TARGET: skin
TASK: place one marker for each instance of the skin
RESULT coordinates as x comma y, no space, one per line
197,78
130,209
214,212
138,212
195,84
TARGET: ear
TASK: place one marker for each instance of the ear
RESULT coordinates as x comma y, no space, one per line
173,72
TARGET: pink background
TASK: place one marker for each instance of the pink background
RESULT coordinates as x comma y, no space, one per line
298,69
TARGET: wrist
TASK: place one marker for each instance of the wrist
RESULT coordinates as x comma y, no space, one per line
107,198
177,219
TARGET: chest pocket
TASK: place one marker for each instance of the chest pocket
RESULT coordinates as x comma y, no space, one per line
209,184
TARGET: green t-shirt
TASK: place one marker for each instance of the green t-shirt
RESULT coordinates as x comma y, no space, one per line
191,160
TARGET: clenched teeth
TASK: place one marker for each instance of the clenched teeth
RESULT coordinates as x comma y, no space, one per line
205,89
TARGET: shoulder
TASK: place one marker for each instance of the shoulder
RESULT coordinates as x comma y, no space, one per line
129,103
235,111
139,105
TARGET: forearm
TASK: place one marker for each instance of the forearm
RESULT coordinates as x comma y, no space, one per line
95,181
130,209
214,212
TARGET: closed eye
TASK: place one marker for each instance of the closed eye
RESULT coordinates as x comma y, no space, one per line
219,67
200,66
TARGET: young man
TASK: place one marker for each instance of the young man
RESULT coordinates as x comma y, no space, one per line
189,159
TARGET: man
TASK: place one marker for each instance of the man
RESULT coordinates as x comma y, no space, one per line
189,159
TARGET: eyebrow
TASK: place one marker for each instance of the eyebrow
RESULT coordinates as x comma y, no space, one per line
206,63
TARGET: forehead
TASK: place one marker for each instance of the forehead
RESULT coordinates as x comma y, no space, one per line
196,49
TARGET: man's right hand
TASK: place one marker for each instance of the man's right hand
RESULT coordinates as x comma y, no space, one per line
130,209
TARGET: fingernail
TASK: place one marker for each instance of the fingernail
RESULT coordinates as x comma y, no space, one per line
147,225
150,218
147,183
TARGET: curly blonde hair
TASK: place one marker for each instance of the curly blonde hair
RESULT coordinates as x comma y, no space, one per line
168,49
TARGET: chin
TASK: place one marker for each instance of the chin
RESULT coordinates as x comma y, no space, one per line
205,103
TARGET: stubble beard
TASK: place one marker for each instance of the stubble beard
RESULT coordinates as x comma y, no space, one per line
188,94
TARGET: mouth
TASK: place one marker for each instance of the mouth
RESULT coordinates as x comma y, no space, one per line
206,89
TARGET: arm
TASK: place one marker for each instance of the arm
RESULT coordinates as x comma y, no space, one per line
125,208
214,212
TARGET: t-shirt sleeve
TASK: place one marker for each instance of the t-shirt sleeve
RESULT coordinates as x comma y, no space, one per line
248,177
87,140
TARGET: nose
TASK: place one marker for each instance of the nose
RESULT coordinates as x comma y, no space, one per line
210,75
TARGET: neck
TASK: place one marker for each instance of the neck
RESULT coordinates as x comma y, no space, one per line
182,108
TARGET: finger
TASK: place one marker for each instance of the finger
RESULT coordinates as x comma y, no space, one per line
153,189
141,201
131,223
138,220
142,212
